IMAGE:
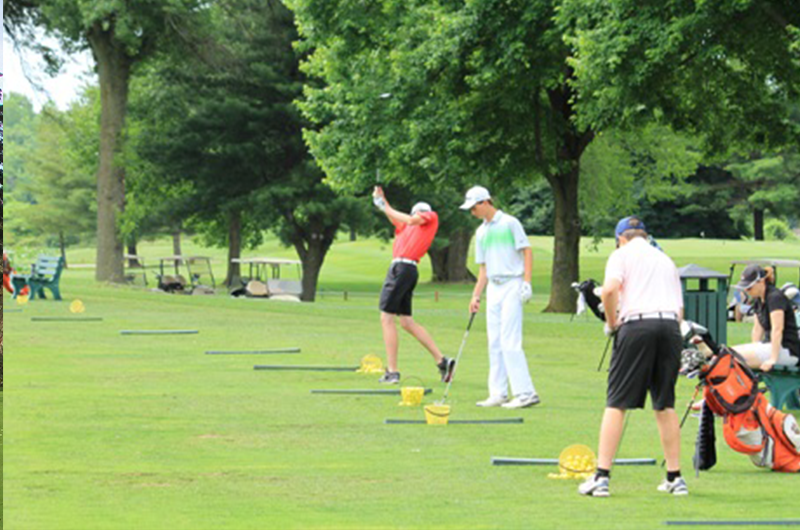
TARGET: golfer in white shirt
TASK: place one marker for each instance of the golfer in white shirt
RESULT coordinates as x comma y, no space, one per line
503,252
644,284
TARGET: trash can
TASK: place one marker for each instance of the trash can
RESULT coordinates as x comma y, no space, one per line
704,302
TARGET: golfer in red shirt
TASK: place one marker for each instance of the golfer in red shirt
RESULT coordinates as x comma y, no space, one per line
414,234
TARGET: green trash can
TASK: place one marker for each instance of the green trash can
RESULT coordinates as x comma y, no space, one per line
705,302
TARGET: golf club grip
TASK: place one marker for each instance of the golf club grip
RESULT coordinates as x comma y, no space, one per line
471,319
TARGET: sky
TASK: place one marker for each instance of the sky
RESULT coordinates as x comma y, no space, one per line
63,89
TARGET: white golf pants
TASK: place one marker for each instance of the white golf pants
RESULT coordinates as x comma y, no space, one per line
507,362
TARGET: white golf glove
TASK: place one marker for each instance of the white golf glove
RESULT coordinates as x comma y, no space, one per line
379,203
525,292
608,330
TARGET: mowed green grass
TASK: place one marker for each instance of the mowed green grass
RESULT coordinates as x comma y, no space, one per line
146,432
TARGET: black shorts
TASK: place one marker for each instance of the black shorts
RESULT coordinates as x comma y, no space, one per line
646,358
398,288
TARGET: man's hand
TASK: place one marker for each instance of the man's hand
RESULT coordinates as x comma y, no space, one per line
609,330
475,304
766,366
525,292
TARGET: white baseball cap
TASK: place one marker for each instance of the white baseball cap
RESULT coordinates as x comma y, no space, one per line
475,195
421,207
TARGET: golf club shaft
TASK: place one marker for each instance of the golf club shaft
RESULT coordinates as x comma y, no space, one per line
685,415
458,357
603,358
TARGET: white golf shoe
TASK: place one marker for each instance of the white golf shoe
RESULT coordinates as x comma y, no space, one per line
676,487
520,402
595,486
492,401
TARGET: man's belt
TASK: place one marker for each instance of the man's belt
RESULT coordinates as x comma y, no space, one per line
404,260
500,280
656,315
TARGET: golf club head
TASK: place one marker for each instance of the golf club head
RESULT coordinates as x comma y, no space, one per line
689,328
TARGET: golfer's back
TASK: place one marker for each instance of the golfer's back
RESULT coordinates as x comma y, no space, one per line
650,280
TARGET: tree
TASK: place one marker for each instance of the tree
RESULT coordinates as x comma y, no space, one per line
725,71
234,133
481,93
57,198
120,35
768,184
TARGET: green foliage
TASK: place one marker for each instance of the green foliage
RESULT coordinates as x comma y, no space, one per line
466,82
56,194
723,69
778,230
773,182
18,119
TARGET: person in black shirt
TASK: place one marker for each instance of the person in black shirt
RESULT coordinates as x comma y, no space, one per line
774,319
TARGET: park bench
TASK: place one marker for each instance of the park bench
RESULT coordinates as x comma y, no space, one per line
45,274
783,383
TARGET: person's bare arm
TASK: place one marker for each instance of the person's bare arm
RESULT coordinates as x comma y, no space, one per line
475,302
396,217
527,254
758,332
776,319
610,298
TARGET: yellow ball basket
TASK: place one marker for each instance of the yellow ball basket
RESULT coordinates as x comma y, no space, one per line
77,307
437,414
576,461
371,364
411,395
22,299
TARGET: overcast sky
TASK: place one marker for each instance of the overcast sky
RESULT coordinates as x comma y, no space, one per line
77,72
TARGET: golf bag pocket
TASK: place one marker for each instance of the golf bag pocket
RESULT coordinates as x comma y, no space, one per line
731,382
792,431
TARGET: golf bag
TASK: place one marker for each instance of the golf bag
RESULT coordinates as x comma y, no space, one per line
751,425
588,297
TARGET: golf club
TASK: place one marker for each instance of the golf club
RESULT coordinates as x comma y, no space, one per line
603,358
458,357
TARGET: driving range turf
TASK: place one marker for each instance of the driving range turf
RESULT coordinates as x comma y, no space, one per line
113,432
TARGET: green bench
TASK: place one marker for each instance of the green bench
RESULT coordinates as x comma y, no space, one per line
783,383
45,274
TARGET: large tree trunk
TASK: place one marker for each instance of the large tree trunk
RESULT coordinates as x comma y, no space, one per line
567,223
114,68
566,242
234,277
312,245
450,263
758,224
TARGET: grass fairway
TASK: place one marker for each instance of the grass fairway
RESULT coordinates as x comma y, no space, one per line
146,432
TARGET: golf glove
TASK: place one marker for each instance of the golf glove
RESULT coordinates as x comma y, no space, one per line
525,292
608,330
379,203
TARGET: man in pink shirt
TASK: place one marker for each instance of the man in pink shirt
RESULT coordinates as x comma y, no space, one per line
414,234
644,284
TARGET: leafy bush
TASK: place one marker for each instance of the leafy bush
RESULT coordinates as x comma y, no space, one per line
778,230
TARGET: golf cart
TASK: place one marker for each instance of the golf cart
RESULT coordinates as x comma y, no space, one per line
194,272
739,307
268,273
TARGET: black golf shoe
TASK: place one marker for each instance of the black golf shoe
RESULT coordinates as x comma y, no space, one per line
446,369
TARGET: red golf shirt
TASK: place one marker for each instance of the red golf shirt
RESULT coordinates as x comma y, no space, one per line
412,242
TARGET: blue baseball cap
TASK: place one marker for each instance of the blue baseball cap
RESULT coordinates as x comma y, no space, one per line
629,223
